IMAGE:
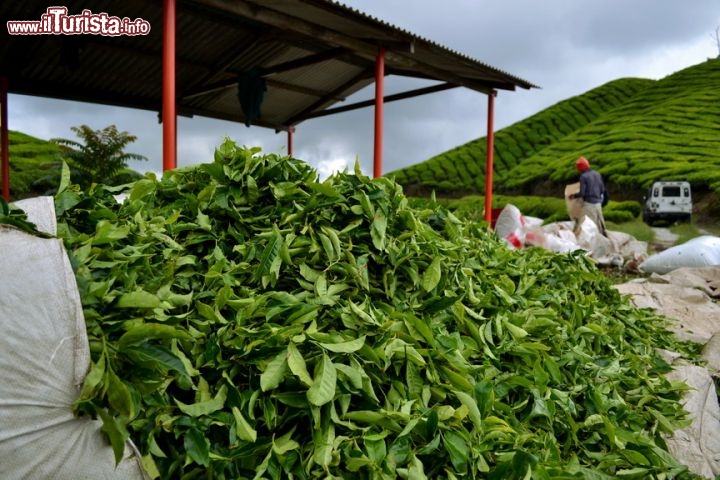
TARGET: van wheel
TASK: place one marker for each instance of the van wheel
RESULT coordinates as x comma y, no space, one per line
647,219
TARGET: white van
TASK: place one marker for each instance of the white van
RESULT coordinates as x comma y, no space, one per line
670,201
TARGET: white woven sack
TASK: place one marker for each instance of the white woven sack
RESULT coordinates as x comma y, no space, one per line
44,357
703,251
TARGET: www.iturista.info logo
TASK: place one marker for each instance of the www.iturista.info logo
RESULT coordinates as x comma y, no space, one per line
56,21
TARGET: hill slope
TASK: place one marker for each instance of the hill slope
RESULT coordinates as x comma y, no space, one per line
632,130
34,164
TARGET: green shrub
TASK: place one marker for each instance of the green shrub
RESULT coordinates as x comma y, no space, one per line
618,216
631,206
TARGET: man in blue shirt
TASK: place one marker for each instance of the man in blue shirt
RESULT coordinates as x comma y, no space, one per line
592,191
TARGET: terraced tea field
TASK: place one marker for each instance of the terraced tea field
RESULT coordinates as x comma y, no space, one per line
634,131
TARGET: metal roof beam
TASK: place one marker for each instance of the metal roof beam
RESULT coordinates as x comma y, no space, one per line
389,98
304,90
490,84
209,113
303,62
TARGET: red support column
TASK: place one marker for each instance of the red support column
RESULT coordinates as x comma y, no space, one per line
489,156
4,141
291,130
169,114
379,96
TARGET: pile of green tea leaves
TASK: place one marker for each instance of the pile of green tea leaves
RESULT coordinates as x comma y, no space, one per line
249,321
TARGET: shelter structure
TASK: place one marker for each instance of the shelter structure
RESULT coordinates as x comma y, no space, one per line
270,63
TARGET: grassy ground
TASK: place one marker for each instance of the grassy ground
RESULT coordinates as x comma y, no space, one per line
637,228
685,231
688,231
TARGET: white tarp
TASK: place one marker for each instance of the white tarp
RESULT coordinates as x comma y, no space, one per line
688,298
698,445
685,296
44,357
616,249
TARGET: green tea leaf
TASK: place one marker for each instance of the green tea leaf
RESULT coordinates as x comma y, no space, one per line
416,471
516,332
285,444
432,275
458,450
345,347
473,411
151,331
274,372
138,299
116,433
244,430
94,379
322,390
207,407
107,232
197,447
297,364
119,395
323,442
375,448
377,230
269,255
64,178
154,357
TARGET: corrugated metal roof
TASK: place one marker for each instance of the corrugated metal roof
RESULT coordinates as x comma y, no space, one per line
312,54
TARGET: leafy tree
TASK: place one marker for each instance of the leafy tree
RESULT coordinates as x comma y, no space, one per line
101,158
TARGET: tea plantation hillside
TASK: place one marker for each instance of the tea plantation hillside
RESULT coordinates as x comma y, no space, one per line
633,131
462,169
34,165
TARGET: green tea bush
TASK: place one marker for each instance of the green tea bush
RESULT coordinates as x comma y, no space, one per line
631,206
653,129
618,216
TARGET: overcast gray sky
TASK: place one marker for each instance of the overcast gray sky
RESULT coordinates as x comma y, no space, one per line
564,46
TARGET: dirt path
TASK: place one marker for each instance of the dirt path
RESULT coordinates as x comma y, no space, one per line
664,239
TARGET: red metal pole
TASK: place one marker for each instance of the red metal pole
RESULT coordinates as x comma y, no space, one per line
169,116
4,141
291,130
379,95
489,156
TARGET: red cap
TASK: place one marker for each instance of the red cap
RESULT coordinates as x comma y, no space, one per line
582,164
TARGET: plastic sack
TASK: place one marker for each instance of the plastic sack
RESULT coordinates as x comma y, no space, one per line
44,357
702,251
573,205
561,241
510,226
